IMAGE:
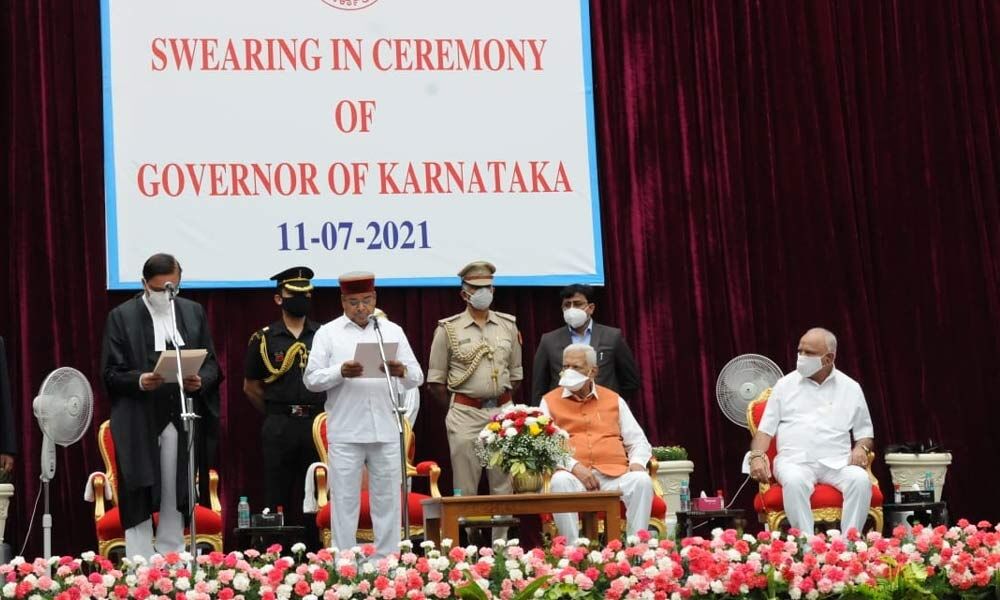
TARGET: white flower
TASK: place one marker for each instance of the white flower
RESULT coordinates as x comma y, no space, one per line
935,559
447,542
309,597
734,555
795,593
563,563
108,581
582,541
298,547
9,589
186,556
426,545
595,557
405,545
317,588
813,594
368,568
632,540
530,420
513,542
182,583
717,586
35,597
283,591
510,432
241,582
513,574
292,578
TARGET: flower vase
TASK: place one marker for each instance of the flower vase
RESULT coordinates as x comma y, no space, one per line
527,483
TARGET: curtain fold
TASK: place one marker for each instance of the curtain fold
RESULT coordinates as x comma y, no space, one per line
764,167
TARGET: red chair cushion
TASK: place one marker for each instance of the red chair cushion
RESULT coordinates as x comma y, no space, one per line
109,527
824,496
365,519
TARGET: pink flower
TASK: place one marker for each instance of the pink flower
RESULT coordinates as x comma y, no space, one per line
348,571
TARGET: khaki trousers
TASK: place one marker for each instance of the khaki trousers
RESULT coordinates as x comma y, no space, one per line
464,423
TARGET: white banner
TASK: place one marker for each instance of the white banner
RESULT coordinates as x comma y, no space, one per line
402,137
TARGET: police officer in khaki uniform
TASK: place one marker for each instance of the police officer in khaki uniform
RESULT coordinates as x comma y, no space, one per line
276,357
476,359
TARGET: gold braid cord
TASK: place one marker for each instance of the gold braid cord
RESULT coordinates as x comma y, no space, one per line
296,350
471,358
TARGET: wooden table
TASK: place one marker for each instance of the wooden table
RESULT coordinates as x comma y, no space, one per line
441,515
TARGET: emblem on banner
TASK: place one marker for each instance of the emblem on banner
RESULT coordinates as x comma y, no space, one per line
349,4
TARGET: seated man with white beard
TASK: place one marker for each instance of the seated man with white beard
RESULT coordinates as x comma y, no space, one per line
610,451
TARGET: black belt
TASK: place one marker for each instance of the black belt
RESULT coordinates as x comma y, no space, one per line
295,410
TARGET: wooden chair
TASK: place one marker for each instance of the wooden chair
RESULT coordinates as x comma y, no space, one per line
107,521
429,469
826,500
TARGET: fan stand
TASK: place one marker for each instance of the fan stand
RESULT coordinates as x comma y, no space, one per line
48,472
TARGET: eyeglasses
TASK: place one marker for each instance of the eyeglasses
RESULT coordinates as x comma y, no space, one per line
356,302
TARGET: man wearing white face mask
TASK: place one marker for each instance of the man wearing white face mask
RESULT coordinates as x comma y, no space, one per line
610,450
151,448
617,368
476,359
814,411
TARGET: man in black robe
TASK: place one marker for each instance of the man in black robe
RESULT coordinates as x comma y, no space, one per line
150,441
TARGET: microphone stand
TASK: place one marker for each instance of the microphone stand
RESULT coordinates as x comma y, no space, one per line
187,417
396,405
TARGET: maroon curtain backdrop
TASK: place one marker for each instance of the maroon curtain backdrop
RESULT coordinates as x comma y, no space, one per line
764,167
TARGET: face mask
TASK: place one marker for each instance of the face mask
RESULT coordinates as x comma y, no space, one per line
482,299
297,305
807,366
160,301
573,380
575,317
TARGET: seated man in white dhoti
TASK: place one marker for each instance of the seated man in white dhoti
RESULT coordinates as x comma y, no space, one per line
813,411
610,451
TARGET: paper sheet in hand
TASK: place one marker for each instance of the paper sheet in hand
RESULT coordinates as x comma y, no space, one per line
190,362
367,354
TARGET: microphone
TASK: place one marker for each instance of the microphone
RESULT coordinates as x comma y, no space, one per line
373,320
170,288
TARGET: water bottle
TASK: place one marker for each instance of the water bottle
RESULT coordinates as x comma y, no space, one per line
685,497
243,513
281,516
929,483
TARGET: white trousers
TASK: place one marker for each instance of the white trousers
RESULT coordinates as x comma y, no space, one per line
384,480
170,530
637,494
799,479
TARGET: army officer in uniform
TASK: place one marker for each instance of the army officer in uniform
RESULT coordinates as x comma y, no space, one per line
276,358
475,360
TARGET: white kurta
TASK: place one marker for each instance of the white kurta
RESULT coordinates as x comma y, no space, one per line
636,486
361,429
813,424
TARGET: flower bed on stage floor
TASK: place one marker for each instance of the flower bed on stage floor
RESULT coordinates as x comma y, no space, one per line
958,562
